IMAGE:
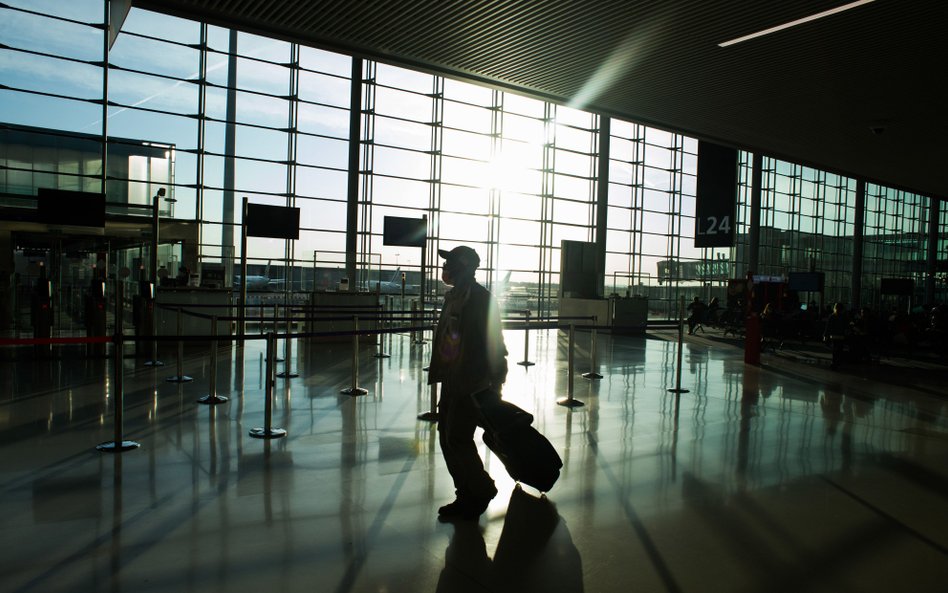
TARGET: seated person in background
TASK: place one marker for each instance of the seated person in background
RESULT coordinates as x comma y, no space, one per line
184,275
769,320
937,331
714,310
863,332
696,318
835,333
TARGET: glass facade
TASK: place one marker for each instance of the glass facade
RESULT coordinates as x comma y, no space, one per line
806,224
215,115
896,243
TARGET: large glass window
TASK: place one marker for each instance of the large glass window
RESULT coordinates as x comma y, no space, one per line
213,116
896,244
649,245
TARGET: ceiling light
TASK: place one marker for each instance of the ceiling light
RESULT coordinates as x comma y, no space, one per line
805,19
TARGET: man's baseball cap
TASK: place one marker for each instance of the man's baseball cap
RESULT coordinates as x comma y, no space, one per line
463,255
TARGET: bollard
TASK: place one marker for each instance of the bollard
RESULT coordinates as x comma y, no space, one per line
212,397
681,339
287,372
355,389
119,443
568,401
381,337
267,431
417,318
180,377
392,307
154,362
274,325
432,414
526,341
592,374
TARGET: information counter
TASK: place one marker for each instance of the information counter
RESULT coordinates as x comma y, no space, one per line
332,311
205,301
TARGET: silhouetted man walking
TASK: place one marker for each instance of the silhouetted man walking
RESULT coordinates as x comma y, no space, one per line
468,356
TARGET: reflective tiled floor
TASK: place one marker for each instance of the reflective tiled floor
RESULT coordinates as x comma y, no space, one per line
786,477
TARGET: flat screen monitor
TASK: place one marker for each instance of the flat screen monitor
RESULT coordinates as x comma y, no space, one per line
805,281
897,286
276,222
73,208
408,232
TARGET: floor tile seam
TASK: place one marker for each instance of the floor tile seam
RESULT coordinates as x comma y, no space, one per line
50,392
55,466
912,386
665,573
371,534
100,541
822,355
886,516
730,527
776,411
768,410
804,377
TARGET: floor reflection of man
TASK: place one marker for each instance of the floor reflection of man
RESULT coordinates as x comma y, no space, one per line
535,553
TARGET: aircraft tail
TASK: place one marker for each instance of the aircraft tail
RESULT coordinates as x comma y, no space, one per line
500,287
397,276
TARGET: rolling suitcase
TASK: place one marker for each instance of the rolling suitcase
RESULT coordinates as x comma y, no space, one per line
526,454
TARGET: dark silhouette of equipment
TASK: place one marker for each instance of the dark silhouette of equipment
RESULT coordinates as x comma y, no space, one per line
94,313
143,316
41,310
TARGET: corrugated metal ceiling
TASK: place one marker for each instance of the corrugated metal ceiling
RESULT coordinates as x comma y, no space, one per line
811,93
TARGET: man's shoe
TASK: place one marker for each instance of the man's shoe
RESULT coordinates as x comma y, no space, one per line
477,506
452,509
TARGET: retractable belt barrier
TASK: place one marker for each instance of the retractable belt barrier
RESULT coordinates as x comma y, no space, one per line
267,431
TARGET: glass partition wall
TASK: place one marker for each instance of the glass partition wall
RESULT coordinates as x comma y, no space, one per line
214,115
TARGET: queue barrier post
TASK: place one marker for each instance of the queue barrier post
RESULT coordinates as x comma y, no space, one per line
681,339
569,401
274,324
526,341
212,397
354,389
180,377
267,431
118,444
432,414
383,322
154,362
592,374
288,372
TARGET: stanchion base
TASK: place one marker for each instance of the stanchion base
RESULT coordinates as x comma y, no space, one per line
114,447
592,375
354,391
425,369
419,342
287,374
678,391
383,355
570,403
263,433
153,363
181,379
212,399
429,416
526,363
278,359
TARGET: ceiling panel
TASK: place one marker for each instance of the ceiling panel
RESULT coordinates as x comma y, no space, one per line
860,92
